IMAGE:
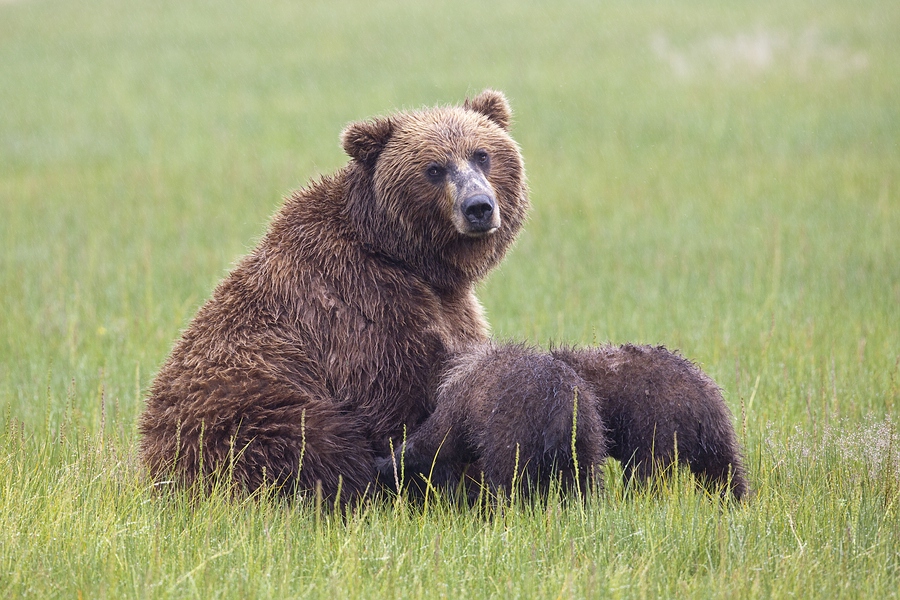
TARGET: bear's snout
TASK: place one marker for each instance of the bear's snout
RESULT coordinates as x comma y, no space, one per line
479,213
475,210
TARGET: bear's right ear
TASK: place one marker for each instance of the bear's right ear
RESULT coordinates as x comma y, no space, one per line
364,140
493,105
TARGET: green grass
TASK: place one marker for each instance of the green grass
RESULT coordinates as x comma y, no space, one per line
723,179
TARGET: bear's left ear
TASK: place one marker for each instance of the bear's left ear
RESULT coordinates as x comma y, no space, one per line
493,105
364,140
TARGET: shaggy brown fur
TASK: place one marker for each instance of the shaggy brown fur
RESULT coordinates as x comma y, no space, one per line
650,400
328,338
509,410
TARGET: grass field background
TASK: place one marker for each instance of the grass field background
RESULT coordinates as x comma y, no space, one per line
722,178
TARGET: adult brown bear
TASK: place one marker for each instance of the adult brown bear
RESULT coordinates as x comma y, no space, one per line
333,335
328,338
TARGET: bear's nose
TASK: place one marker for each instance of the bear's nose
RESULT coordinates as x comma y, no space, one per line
478,210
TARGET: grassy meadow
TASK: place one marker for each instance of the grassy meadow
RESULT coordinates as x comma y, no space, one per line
721,178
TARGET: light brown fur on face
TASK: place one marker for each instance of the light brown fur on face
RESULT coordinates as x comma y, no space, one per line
448,137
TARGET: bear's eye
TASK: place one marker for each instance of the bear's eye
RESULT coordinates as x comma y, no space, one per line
481,157
434,172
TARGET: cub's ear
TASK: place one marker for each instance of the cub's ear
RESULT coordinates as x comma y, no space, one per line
364,140
493,105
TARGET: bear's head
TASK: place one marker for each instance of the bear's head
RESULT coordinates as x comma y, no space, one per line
441,190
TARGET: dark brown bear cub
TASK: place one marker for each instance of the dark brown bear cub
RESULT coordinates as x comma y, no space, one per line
503,407
510,412
656,405
328,338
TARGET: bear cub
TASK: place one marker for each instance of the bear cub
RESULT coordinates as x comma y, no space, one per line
510,412
658,407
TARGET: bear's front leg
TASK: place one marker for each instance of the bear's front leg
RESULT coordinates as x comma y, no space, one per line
428,455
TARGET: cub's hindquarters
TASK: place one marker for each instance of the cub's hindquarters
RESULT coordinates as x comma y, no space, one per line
656,405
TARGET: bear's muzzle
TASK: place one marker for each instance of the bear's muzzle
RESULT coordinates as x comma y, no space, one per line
475,210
